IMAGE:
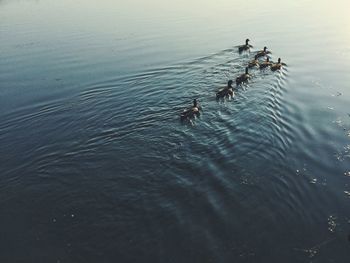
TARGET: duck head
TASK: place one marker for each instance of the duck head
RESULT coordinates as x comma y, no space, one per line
267,59
279,60
256,57
195,103
246,41
265,48
229,83
246,70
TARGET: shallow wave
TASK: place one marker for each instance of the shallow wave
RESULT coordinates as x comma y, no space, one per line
233,169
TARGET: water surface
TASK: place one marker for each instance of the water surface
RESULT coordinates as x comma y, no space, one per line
96,167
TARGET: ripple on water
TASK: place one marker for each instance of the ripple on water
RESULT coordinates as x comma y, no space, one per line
128,129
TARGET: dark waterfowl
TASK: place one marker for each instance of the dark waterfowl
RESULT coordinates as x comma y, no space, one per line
226,91
278,65
254,63
266,63
263,52
244,77
245,47
191,112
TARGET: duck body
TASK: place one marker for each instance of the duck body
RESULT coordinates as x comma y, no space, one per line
265,64
245,47
243,78
254,63
263,53
276,66
226,91
191,112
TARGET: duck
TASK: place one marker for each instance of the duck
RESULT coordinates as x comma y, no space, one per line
226,91
244,77
254,62
263,52
266,63
191,112
277,66
245,47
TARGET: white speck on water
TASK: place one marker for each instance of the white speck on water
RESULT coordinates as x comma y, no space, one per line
312,252
332,223
313,181
347,148
339,122
54,220
72,215
338,94
347,193
345,154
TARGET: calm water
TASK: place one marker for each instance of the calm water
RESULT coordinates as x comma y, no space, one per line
96,167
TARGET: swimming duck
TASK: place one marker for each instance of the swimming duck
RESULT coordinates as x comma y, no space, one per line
226,91
244,77
191,112
266,63
254,62
277,66
263,52
245,47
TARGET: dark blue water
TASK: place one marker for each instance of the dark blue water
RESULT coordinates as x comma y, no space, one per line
96,166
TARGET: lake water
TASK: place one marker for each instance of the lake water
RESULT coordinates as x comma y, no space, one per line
95,165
